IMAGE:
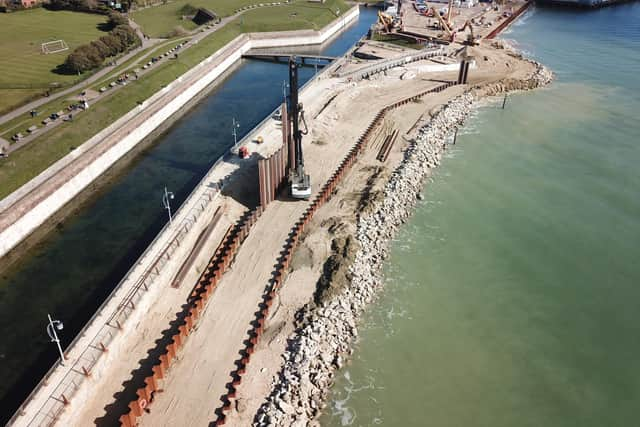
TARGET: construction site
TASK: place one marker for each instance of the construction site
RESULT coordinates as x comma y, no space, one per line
445,21
276,231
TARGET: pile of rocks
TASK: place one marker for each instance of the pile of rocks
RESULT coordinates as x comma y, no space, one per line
319,347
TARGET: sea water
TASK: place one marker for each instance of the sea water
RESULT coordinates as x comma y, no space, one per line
512,296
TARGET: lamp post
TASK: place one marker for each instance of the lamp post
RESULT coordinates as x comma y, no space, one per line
234,132
166,201
51,331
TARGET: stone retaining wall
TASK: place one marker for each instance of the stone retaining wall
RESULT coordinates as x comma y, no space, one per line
319,347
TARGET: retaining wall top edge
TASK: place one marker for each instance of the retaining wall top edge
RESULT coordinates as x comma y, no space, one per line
23,191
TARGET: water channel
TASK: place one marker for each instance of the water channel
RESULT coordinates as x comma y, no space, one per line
75,267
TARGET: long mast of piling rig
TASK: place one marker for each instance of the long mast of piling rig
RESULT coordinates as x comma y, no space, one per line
300,181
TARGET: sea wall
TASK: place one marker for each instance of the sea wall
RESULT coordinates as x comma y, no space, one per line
319,347
30,206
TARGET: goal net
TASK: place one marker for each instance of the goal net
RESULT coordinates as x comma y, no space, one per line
54,46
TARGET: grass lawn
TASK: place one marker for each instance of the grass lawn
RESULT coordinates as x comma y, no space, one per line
159,21
35,157
12,98
23,65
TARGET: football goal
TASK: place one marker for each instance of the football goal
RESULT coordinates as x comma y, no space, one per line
54,46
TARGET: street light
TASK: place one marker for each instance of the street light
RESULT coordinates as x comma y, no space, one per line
234,132
51,331
166,201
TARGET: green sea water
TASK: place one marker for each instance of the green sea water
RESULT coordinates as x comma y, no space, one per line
512,296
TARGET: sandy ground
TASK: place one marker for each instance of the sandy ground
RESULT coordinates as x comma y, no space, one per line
196,381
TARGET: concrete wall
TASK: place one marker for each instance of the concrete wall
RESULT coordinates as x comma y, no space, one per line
207,71
44,404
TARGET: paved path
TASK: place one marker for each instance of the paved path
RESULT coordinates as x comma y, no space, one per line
198,35
146,43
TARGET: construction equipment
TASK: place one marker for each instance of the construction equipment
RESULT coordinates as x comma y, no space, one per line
388,23
471,40
444,25
300,181
449,9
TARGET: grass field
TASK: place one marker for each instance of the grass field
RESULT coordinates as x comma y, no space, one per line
23,66
29,161
159,21
12,98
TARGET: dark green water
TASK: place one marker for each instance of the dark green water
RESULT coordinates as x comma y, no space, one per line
512,295
73,269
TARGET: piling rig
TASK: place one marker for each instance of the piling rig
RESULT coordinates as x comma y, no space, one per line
300,181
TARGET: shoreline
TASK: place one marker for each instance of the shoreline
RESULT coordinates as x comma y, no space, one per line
325,339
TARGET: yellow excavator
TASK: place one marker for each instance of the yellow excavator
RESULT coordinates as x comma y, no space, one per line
387,22
471,40
444,24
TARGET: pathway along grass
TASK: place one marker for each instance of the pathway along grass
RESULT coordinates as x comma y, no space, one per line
28,162
23,64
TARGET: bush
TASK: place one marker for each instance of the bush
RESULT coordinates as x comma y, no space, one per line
116,19
77,5
178,31
102,49
92,55
188,10
83,58
114,44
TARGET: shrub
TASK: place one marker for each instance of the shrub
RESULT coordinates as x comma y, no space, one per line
178,31
102,49
92,55
188,10
83,58
114,44
116,19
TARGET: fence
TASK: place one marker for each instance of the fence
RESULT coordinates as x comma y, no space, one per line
206,191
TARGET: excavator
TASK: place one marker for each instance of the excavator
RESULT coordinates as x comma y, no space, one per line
299,179
387,22
444,23
471,40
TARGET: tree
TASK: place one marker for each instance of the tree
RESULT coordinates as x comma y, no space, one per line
116,19
114,44
126,34
83,58
102,49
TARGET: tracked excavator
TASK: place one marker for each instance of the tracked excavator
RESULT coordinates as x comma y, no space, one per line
471,40
299,179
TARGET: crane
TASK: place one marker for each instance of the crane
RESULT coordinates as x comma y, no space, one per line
300,181
449,9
